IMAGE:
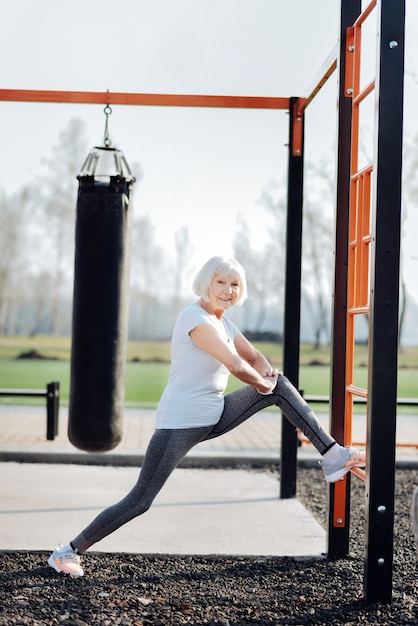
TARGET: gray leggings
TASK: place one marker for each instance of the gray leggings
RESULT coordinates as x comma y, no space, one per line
169,446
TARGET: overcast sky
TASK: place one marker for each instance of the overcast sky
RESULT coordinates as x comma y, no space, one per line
204,168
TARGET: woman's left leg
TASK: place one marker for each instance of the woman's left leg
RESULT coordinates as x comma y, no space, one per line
165,451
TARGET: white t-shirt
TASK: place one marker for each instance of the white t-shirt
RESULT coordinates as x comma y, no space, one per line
194,395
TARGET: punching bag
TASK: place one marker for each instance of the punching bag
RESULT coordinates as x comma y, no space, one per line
100,302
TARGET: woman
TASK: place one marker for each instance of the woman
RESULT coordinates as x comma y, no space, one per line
206,348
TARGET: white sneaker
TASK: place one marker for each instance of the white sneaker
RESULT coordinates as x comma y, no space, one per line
338,468
66,561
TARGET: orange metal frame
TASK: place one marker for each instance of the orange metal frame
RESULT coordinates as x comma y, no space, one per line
156,99
359,241
144,99
182,100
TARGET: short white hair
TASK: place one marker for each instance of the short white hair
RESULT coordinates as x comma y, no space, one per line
220,266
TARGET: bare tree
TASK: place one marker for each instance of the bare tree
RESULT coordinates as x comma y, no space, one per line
183,254
317,252
149,279
317,256
409,203
12,256
264,266
59,195
39,292
253,262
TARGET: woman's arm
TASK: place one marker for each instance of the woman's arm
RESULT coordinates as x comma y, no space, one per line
240,357
254,357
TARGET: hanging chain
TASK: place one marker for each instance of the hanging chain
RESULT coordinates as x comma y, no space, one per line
107,111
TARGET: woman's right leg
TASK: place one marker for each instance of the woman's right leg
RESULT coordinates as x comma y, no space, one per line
165,451
246,401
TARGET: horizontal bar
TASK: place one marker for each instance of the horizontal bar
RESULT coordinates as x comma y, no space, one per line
144,99
23,392
327,69
365,14
357,444
360,473
362,400
367,169
359,310
362,95
356,391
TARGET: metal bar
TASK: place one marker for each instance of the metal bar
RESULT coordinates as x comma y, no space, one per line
358,400
360,473
341,506
291,331
358,40
365,240
31,393
338,536
366,169
297,131
362,267
362,444
51,394
359,310
365,14
327,69
144,99
52,409
384,302
362,95
348,63
357,391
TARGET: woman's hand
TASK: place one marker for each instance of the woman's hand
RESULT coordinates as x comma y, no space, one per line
270,375
272,372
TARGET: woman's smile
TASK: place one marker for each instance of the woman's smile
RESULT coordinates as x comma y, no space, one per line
223,293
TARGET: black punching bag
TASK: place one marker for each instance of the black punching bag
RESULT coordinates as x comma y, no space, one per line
100,304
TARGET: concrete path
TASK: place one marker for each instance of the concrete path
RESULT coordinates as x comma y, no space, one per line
50,491
200,511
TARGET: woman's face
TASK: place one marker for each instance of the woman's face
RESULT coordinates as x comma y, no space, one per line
223,292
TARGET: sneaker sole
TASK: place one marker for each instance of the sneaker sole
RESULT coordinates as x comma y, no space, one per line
54,566
333,478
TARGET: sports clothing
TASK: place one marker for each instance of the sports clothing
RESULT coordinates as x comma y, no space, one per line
194,395
169,446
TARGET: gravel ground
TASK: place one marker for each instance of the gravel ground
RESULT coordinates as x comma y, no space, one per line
135,590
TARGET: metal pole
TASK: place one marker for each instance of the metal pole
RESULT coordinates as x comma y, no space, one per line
52,410
384,305
338,537
291,331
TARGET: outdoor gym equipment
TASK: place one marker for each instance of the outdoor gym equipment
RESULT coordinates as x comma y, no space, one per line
380,248
100,303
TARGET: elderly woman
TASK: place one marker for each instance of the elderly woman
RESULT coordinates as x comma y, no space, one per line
206,348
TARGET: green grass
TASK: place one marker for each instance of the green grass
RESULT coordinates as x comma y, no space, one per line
146,377
59,348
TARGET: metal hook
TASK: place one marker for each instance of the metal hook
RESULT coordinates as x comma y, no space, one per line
107,111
